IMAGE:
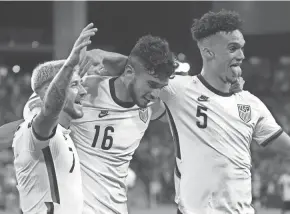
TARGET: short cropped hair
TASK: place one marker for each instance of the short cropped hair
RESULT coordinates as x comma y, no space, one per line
44,73
212,23
155,55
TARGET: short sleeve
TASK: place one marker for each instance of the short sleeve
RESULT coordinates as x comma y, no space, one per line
39,142
158,110
32,107
266,128
28,140
175,87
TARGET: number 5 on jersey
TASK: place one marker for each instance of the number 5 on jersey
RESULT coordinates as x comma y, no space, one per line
106,140
201,113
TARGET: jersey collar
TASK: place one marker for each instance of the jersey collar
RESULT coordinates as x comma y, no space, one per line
209,87
115,98
64,130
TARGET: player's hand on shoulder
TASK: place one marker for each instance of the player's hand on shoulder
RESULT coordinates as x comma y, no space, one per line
238,85
91,64
104,63
81,43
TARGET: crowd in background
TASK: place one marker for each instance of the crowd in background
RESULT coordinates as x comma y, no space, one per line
153,162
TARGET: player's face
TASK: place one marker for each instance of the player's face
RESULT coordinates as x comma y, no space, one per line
229,55
76,92
145,88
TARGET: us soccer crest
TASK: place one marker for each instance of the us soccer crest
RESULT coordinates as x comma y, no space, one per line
143,114
244,112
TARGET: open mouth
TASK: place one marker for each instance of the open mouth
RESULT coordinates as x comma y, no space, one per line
236,65
78,102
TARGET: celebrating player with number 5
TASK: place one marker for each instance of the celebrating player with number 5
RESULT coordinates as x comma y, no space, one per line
46,163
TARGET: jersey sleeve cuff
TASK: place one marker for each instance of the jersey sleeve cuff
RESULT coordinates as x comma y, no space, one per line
273,137
160,116
40,138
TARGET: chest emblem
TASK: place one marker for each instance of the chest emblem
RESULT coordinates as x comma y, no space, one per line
143,114
244,112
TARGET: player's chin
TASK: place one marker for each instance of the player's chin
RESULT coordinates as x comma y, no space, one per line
78,111
143,103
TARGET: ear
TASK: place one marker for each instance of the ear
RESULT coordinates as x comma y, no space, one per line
208,53
129,71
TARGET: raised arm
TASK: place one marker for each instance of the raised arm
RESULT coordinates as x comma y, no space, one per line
55,95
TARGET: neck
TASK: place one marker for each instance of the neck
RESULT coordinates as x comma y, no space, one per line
121,90
64,120
209,73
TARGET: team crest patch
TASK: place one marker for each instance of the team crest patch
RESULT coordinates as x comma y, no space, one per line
244,112
143,114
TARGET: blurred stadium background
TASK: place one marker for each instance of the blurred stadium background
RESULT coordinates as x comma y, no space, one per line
34,32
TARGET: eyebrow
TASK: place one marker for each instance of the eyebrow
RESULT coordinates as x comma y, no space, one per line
77,81
236,43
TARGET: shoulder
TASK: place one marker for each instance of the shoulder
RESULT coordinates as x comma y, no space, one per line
32,106
22,134
178,82
249,97
94,82
178,79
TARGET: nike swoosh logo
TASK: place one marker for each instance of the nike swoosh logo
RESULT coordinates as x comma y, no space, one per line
202,99
101,115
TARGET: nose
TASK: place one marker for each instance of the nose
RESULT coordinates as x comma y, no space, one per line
241,55
82,91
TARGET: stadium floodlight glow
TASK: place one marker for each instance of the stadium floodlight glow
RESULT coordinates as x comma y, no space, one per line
16,69
3,71
34,44
183,67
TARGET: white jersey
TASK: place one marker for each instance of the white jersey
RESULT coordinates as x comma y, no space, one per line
47,171
284,181
106,138
213,132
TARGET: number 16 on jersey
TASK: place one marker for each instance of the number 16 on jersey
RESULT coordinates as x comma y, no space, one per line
103,135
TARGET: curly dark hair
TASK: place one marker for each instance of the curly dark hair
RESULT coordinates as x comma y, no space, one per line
211,23
155,55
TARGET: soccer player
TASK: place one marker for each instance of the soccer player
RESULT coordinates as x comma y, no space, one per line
104,150
46,162
116,116
116,106
213,127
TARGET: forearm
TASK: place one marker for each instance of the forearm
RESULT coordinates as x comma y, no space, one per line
111,64
281,145
55,95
